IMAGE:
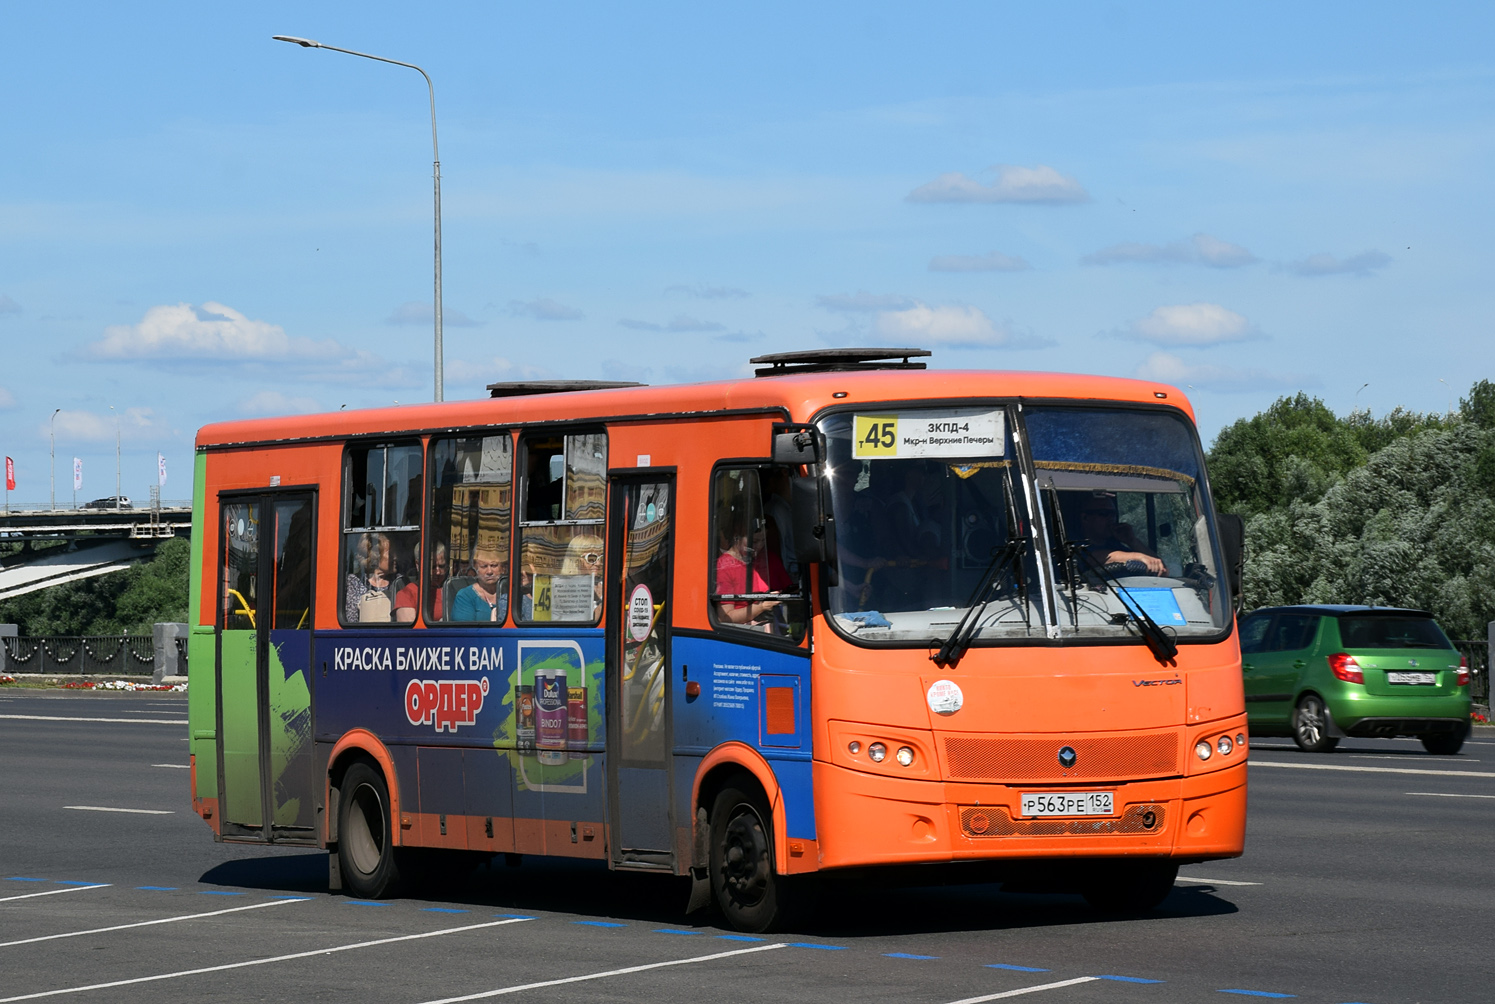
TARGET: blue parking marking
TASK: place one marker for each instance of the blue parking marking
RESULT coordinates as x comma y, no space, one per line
737,937
514,916
157,888
441,909
669,930
1255,993
220,892
75,882
1025,969
597,923
364,902
23,878
906,955
292,899
1129,979
811,944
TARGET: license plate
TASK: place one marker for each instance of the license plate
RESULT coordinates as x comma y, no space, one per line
1067,803
1418,679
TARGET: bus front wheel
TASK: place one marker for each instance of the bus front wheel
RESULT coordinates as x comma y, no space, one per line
365,845
750,895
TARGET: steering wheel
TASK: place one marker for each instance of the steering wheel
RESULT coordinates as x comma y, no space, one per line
1132,567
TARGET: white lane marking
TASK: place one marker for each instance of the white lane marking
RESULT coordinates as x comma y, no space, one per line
1420,759
1210,881
149,923
599,976
260,962
131,721
1372,770
1447,794
178,766
54,892
1025,990
107,808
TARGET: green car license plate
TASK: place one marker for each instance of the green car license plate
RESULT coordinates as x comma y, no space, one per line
1415,679
1067,803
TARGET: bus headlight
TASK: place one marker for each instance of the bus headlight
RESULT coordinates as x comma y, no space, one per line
878,752
905,755
854,747
1224,746
1202,749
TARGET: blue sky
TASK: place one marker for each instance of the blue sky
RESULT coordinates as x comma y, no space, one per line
198,223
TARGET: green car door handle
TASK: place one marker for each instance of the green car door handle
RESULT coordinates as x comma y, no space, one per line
1246,667
1299,664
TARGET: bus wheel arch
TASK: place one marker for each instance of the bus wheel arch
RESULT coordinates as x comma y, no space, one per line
360,746
740,764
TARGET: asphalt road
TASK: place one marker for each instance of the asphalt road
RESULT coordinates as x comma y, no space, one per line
1371,884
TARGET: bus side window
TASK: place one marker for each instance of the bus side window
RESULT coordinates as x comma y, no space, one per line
560,566
471,499
382,498
755,581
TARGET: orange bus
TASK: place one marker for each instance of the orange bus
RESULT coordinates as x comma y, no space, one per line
849,613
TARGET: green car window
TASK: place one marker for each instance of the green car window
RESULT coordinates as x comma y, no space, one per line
1381,631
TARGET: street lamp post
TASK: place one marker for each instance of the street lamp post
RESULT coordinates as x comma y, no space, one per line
52,435
307,43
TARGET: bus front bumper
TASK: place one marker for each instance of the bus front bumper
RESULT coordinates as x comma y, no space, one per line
865,819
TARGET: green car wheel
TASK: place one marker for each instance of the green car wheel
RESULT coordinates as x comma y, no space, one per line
1311,726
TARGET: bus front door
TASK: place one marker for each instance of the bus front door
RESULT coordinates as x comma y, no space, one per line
264,680
638,671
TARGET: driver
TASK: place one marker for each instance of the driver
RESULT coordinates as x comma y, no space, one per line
1109,540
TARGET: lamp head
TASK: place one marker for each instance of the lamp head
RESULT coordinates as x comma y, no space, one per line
305,43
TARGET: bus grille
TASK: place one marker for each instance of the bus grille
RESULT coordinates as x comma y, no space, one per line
1097,758
993,821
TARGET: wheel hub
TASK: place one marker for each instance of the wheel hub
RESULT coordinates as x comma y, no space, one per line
745,867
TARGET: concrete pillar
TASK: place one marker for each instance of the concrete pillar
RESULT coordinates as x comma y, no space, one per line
14,631
167,663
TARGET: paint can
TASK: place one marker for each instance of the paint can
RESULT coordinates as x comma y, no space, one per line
551,695
576,721
524,708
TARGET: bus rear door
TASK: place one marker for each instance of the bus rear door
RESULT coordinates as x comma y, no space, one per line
638,670
264,675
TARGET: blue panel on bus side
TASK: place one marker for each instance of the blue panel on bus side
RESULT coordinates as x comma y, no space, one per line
730,709
461,688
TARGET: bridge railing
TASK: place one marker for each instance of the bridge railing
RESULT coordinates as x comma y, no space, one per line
81,655
1478,655
43,508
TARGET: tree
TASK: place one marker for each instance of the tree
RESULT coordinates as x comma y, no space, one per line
124,602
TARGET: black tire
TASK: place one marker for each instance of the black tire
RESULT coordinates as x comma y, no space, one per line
1311,725
1130,887
1445,743
365,846
750,895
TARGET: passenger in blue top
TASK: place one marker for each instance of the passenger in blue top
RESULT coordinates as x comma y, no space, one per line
486,599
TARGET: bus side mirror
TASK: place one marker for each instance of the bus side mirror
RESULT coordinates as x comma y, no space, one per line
1233,543
794,448
811,530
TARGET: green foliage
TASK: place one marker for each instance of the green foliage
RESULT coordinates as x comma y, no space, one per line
1396,511
124,602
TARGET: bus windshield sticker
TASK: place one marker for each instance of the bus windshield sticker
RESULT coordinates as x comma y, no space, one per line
950,432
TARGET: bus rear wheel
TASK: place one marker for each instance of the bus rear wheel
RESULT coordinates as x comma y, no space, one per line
750,895
1130,887
365,845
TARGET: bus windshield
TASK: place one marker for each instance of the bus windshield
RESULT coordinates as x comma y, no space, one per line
935,511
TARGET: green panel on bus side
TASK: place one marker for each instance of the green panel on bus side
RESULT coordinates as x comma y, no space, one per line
202,650
202,704
241,732
290,729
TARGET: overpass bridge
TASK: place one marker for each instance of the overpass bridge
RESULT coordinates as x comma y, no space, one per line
64,545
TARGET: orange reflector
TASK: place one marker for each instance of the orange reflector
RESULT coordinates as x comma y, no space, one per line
778,710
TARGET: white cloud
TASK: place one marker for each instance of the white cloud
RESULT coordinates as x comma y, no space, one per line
1041,184
7,399
217,334
678,323
739,337
1201,249
863,302
706,292
995,261
1191,324
482,372
416,312
544,309
8,306
273,402
92,427
1362,264
1164,367
956,326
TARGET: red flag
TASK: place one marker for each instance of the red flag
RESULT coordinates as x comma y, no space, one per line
10,475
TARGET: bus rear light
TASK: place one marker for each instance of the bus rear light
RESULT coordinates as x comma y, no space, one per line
878,752
1344,667
1463,678
1203,750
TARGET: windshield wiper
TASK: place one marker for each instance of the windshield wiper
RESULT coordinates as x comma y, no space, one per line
1162,647
960,639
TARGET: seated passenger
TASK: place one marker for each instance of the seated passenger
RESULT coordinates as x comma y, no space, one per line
1110,541
369,598
486,599
747,550
407,592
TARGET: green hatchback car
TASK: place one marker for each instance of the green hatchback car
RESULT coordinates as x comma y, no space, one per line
1320,673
